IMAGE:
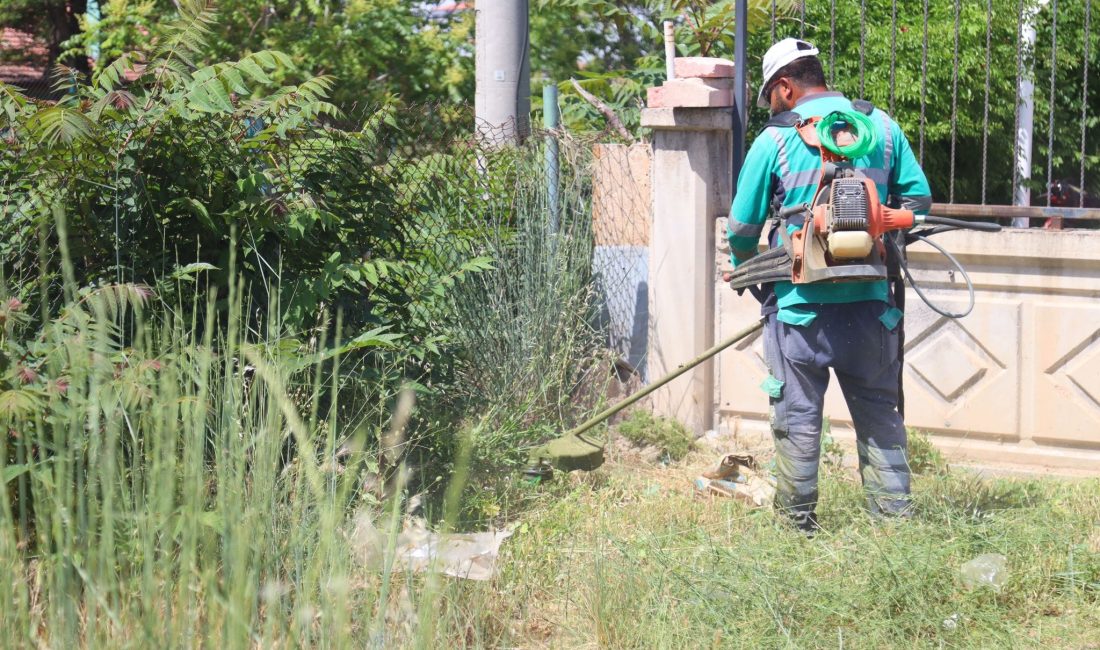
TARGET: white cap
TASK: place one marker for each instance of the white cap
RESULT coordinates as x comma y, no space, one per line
779,55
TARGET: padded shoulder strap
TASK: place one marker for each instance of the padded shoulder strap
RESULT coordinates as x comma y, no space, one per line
863,106
786,119
807,130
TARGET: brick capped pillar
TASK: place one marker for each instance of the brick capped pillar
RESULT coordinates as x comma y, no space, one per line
691,189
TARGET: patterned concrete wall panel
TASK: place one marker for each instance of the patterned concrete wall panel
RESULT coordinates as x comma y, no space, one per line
962,376
1067,374
1016,382
740,369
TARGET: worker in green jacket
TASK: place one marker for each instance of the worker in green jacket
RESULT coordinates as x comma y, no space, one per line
851,327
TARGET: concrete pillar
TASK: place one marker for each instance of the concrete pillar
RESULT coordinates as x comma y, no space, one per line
502,98
691,189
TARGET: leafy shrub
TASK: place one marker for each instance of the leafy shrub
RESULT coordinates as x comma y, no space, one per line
425,259
923,456
214,180
162,171
671,437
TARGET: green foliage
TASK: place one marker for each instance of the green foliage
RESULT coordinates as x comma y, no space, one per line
430,255
1070,105
620,54
379,49
934,99
213,180
923,456
124,26
177,161
617,51
667,434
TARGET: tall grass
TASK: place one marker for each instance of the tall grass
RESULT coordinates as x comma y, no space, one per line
185,480
182,469
176,476
531,358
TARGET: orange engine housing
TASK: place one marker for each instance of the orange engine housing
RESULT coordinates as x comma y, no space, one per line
880,218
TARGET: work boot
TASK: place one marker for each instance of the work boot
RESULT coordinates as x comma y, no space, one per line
804,522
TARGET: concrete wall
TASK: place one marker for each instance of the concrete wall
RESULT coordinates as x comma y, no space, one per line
690,147
1016,384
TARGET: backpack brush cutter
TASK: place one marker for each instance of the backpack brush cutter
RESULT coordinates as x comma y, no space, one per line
845,235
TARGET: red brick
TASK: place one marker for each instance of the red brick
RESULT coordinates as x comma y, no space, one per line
703,67
690,93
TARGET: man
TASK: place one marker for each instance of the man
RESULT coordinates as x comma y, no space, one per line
850,327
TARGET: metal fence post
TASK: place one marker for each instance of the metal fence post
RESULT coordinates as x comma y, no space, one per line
740,107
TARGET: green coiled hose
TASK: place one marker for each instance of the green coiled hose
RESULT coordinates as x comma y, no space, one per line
863,128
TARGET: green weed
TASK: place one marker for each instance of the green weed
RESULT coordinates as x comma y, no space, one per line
923,456
643,428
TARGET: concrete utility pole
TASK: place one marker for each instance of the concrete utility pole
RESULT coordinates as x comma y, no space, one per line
502,101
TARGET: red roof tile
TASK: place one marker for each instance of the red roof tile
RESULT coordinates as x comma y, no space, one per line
22,57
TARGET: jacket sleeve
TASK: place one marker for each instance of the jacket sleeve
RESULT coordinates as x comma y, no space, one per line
750,206
907,180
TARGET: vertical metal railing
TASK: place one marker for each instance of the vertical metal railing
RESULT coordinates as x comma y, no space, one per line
957,77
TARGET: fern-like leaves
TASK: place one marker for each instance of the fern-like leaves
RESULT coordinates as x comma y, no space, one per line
60,123
12,104
174,58
210,87
110,77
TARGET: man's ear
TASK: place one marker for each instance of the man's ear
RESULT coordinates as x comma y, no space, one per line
783,85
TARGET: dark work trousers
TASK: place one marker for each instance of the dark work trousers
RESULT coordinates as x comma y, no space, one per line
859,341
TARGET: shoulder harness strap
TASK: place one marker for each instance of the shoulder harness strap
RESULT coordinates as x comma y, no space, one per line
786,119
863,106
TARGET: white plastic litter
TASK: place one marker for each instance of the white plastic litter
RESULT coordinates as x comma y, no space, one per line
739,477
471,556
986,570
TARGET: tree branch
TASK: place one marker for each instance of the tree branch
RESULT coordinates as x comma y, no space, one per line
612,119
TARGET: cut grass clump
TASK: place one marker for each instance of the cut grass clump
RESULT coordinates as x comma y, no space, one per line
644,429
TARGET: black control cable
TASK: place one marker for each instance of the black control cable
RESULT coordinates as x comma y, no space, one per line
942,224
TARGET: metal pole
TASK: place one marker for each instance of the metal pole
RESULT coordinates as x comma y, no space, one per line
670,50
740,107
93,16
550,121
972,211
1025,93
502,100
